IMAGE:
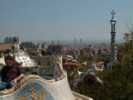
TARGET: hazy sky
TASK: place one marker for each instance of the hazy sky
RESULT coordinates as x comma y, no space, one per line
64,19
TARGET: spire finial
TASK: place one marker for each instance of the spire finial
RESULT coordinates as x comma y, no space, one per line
113,13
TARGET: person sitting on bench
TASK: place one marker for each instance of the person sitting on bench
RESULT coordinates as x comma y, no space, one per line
11,73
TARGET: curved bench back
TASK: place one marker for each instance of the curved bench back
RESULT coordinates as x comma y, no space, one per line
36,88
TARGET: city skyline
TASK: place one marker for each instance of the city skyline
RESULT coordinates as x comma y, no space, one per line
64,19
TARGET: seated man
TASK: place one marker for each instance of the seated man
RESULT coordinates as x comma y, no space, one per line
10,73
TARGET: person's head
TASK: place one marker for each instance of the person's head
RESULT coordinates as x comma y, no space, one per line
9,60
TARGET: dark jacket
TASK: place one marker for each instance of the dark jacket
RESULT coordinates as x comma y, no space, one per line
9,73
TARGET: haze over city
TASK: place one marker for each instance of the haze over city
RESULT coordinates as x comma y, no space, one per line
64,19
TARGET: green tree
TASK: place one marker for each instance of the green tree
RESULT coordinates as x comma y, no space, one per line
118,83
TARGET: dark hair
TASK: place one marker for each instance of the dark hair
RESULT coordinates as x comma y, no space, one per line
9,58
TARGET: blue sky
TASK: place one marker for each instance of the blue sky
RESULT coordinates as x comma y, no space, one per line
64,19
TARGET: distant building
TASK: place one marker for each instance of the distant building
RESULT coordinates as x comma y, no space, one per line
128,37
11,40
28,45
55,49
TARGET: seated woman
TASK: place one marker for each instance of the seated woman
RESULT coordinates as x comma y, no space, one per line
10,73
